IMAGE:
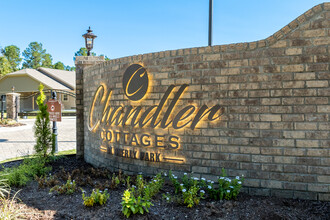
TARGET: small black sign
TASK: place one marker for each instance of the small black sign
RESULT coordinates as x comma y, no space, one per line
135,82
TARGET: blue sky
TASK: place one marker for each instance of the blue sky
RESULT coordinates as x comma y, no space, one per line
130,27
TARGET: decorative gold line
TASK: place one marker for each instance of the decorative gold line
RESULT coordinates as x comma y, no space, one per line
176,159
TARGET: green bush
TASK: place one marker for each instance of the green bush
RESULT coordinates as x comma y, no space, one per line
137,198
21,175
68,188
132,205
45,143
96,198
227,188
189,190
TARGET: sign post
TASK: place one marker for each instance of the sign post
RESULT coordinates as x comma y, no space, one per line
54,108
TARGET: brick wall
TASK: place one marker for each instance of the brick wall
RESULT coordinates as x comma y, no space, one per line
82,62
275,95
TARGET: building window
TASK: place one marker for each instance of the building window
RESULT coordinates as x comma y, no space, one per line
65,98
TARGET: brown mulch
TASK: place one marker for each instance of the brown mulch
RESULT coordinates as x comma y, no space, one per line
39,203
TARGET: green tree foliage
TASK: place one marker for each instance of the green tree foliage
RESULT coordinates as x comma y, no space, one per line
83,52
35,56
59,66
105,57
70,68
42,130
12,53
5,66
47,61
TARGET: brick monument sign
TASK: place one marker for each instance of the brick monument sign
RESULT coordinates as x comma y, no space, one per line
258,109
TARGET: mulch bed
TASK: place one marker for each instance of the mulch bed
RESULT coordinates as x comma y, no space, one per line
40,204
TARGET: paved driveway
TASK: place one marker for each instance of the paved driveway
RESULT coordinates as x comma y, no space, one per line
19,141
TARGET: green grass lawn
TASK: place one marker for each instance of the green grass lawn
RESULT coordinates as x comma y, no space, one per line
61,153
36,111
64,111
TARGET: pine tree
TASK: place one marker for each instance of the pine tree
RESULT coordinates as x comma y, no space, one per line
5,66
12,53
42,131
35,56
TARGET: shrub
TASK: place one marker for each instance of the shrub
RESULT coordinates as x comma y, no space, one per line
137,198
96,198
114,181
190,196
227,189
45,181
128,182
145,189
21,175
68,188
42,130
187,190
132,205
153,187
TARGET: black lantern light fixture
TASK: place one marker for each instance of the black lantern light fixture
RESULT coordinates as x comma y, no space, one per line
89,40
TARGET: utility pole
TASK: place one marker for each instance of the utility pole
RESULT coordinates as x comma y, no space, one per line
210,21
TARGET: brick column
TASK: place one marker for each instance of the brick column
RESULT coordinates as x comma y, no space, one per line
12,105
81,63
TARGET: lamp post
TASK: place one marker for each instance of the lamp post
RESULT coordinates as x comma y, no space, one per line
89,40
54,96
3,99
210,21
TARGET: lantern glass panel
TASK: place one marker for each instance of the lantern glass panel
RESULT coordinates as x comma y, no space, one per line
89,42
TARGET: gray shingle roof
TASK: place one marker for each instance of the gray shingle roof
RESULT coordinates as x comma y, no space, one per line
66,77
52,78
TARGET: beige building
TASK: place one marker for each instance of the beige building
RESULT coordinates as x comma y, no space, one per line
26,82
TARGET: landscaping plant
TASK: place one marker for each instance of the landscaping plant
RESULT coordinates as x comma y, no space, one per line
187,190
153,187
96,198
132,205
114,181
68,188
8,208
45,181
137,198
3,187
21,175
42,131
190,190
228,188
